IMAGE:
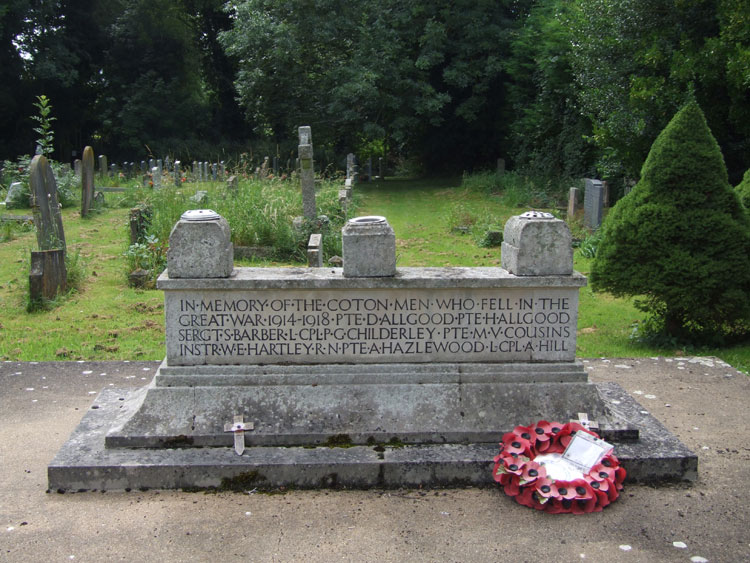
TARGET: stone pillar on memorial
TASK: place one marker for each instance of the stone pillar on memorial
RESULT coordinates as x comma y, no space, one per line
369,248
200,246
537,244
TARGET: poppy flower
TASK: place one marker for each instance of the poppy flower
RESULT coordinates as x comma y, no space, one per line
543,489
564,490
526,497
524,431
531,472
585,500
512,488
513,444
541,434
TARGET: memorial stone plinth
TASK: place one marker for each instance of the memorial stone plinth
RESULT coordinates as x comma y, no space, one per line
442,361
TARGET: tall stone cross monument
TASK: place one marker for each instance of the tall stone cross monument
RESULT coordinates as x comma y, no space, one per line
307,173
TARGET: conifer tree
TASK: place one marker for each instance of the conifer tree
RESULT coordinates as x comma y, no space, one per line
680,241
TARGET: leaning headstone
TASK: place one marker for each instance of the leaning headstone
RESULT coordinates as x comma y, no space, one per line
87,181
593,203
48,275
315,251
47,217
307,172
573,199
14,194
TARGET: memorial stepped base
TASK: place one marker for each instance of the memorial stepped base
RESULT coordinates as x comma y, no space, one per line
352,426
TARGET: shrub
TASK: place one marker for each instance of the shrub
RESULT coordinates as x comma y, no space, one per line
680,240
743,190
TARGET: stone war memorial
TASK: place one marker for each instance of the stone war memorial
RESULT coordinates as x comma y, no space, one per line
367,375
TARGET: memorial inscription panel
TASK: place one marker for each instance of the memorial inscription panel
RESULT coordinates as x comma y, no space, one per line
370,326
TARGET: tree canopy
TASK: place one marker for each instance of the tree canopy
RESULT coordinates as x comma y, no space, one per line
556,87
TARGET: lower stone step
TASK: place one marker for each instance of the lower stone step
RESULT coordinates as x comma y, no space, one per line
84,463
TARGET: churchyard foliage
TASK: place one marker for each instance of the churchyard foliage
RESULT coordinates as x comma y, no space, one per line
680,241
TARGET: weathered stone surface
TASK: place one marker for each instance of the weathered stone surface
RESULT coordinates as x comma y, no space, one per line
48,275
85,463
420,315
593,203
315,251
87,181
537,244
200,248
573,199
47,216
369,247
307,173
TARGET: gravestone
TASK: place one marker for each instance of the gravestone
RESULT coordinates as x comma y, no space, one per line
315,251
323,371
205,171
232,184
593,203
369,248
573,199
87,181
350,160
47,275
14,194
44,204
103,168
307,173
177,173
222,170
151,163
156,177
77,167
214,169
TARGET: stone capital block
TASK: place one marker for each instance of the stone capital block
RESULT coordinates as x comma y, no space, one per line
537,244
369,248
200,246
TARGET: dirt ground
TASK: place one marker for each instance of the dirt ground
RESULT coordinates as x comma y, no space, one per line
702,400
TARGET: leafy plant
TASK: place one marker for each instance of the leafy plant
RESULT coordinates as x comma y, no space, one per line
44,119
149,256
590,245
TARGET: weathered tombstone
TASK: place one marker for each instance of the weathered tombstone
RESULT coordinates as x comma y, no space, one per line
315,251
156,177
573,199
103,168
87,181
140,220
593,203
77,167
605,193
350,165
500,166
177,173
113,170
144,169
151,163
214,170
205,171
537,244
195,171
232,184
14,193
160,166
307,172
47,216
264,169
48,274
222,170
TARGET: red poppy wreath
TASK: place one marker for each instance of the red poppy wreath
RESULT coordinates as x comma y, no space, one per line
528,470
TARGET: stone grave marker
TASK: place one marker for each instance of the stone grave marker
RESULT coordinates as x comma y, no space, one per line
14,193
87,181
214,169
232,184
48,275
593,203
77,167
307,173
103,167
156,177
222,169
350,160
177,173
573,199
315,251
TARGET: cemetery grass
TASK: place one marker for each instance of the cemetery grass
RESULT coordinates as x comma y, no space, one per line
107,320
